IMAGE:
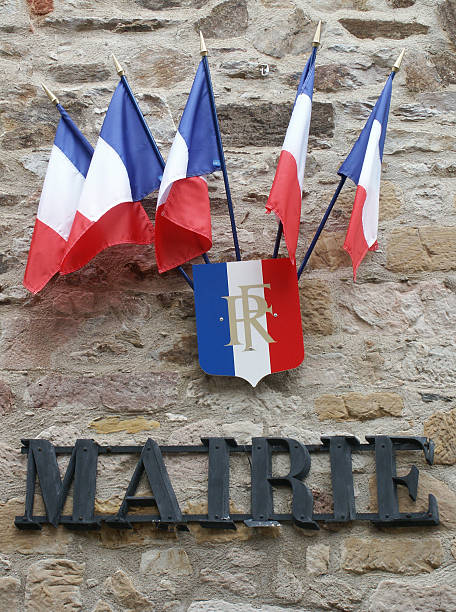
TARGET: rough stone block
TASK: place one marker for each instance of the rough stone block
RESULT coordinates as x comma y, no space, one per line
126,594
396,555
9,591
227,19
445,65
329,253
287,32
117,392
264,125
218,605
328,593
111,24
170,562
287,586
401,3
184,350
27,542
317,559
422,249
351,406
375,28
392,596
102,606
332,77
156,5
162,69
53,585
316,303
6,398
441,427
235,582
41,7
114,424
420,74
447,14
79,73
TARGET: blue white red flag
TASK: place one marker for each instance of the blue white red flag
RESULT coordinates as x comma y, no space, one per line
363,165
183,217
286,192
65,177
124,169
248,318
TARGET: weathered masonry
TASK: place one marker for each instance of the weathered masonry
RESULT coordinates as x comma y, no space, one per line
82,473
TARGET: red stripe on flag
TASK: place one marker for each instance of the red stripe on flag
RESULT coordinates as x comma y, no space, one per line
126,223
288,349
285,200
183,224
355,243
45,256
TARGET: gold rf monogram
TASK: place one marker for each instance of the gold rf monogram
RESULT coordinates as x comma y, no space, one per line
249,317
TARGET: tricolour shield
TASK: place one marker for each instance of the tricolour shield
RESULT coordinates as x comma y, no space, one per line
248,318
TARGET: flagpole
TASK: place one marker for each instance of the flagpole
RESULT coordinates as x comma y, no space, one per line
315,43
343,178
121,72
203,52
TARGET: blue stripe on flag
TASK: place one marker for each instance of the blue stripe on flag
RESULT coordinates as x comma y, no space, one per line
306,82
353,163
123,130
211,284
197,129
72,142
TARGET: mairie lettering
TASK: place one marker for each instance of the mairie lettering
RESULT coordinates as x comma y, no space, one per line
81,474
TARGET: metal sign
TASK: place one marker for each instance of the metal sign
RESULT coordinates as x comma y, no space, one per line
248,318
82,474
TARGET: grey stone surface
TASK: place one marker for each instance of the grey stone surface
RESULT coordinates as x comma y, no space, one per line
110,352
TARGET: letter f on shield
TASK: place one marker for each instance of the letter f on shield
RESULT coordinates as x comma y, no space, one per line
249,317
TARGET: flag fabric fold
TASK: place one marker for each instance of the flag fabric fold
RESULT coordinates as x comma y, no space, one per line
183,218
125,168
363,167
65,176
286,192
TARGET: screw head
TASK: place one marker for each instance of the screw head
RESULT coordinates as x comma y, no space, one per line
221,319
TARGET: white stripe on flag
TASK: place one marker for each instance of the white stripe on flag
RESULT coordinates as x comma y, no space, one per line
298,134
60,195
370,180
254,364
107,183
176,167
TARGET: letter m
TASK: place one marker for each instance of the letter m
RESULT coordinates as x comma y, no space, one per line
81,471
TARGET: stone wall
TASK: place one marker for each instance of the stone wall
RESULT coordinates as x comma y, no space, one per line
110,352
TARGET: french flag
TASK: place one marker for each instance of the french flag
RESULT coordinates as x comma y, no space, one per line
65,176
124,169
248,318
286,192
363,165
183,218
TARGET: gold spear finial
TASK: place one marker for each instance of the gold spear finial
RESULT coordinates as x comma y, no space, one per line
316,40
397,63
203,48
52,97
120,71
